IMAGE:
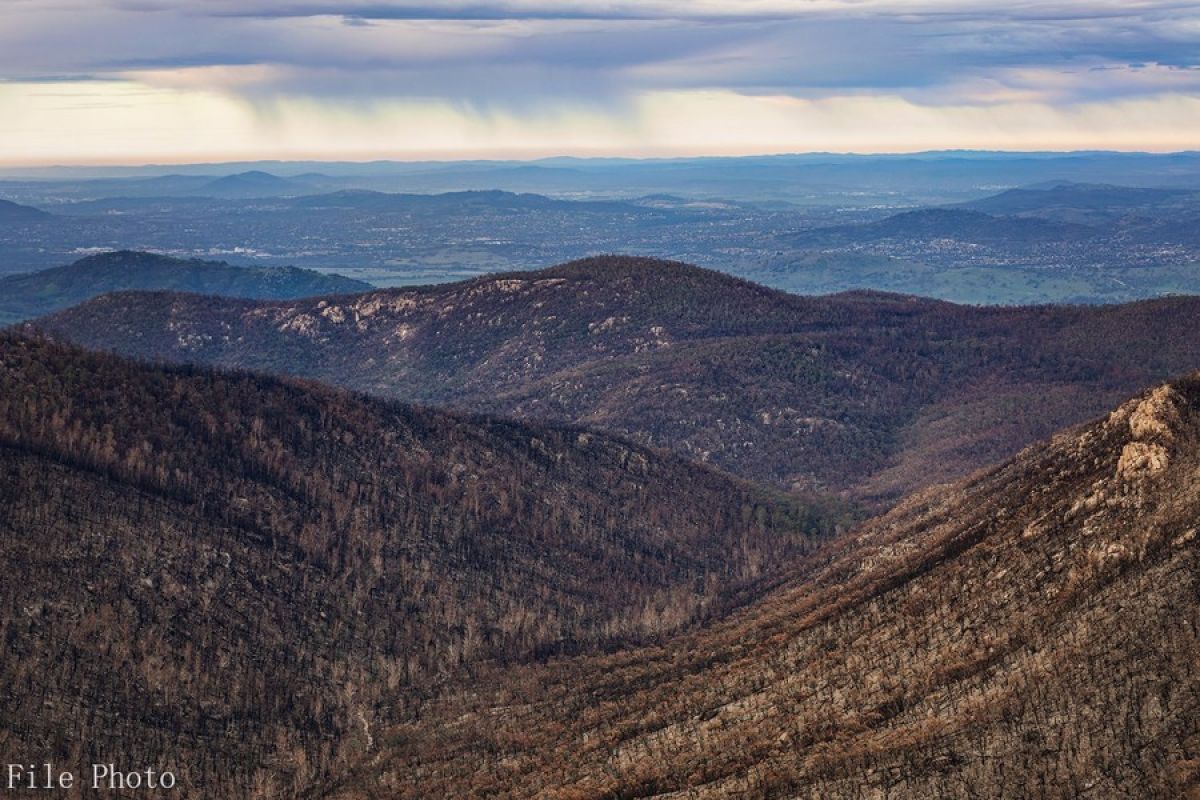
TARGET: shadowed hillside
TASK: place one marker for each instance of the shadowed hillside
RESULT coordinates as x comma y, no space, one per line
1094,204
32,294
949,223
1031,632
15,212
864,393
236,575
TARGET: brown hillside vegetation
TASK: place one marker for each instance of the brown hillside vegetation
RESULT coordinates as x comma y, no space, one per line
870,394
237,575
1032,632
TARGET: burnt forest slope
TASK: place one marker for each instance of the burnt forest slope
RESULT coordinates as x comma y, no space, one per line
1033,632
864,393
236,576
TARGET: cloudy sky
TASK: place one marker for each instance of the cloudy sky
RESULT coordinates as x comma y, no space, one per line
134,81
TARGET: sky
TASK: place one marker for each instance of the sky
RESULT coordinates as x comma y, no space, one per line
175,81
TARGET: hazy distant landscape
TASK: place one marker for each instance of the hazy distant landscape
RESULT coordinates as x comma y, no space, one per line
828,225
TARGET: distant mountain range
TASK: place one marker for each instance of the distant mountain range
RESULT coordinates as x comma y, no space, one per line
807,179
1060,242
1064,212
946,223
33,294
218,572
1091,204
864,394
235,185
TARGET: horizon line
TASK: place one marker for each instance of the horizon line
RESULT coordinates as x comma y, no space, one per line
132,165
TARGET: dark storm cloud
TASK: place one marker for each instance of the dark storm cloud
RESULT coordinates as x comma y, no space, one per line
527,52
467,12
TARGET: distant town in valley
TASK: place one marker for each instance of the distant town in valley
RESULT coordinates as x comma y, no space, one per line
991,228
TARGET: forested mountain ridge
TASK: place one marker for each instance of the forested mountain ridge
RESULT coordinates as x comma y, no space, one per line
1095,204
232,575
949,223
869,394
35,293
1033,631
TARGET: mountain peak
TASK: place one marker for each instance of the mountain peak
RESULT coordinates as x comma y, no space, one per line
811,393
245,184
615,264
133,258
